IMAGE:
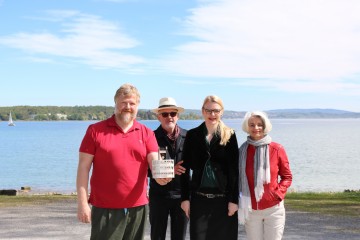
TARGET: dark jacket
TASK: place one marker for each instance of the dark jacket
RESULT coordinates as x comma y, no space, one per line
172,189
224,159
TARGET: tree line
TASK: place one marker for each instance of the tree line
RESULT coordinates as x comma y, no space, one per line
78,113
83,113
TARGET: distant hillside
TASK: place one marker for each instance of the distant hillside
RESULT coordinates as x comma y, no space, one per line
311,113
293,113
55,113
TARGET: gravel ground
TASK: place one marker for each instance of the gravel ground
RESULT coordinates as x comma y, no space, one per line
58,221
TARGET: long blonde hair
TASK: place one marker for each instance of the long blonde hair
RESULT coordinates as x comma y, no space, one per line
224,131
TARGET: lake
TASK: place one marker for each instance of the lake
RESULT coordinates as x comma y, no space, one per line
324,154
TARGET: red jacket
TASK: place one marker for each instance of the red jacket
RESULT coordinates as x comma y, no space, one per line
280,172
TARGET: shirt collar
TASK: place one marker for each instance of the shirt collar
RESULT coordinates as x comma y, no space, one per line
112,123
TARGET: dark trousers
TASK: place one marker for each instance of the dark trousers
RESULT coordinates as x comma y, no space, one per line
209,219
118,224
160,209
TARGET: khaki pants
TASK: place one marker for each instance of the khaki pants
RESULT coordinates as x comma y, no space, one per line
266,224
119,224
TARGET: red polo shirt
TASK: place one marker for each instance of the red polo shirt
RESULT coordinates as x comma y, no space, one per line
119,170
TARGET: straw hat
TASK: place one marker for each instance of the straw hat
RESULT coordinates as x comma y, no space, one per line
167,103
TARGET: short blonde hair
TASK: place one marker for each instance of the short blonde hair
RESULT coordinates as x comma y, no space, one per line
127,90
264,118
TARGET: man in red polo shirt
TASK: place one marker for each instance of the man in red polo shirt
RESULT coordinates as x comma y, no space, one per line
119,150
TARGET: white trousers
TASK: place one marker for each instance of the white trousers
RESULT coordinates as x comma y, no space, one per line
266,224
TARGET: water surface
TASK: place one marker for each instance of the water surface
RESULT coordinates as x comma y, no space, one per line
324,153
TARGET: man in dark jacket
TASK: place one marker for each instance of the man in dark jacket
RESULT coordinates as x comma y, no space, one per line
166,200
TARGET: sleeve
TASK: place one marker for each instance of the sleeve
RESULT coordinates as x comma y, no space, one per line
151,143
185,177
88,144
284,173
233,165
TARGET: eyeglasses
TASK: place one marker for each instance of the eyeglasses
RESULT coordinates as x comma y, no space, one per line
210,111
166,114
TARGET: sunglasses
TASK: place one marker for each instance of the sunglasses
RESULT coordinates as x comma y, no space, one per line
166,114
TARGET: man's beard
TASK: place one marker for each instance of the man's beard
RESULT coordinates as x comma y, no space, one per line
127,117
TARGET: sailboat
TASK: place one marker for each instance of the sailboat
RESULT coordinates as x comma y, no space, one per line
11,122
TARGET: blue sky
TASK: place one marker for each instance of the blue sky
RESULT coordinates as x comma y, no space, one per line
254,54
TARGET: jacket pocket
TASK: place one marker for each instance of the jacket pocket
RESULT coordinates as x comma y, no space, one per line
271,196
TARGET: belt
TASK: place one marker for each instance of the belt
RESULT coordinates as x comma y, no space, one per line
210,195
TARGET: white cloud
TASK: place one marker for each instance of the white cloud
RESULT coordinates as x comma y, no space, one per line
287,41
310,85
85,38
197,82
116,1
39,60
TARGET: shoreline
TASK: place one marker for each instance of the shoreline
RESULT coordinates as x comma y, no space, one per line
30,191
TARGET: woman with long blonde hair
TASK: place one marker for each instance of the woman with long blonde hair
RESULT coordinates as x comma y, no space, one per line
210,198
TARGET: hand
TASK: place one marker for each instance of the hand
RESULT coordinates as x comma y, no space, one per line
163,181
84,213
185,205
232,208
179,169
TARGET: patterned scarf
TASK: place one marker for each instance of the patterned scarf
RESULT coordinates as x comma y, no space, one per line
173,136
261,174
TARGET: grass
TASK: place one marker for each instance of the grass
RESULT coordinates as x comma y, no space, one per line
337,203
26,200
